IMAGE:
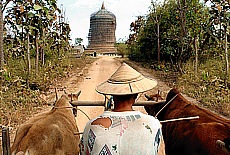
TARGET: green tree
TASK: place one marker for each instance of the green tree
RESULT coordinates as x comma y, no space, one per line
3,5
78,41
132,42
156,15
37,29
220,19
122,49
170,31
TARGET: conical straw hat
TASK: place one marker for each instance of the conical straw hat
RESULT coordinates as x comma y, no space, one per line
124,81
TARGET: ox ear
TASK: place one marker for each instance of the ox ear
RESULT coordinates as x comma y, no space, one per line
65,92
148,97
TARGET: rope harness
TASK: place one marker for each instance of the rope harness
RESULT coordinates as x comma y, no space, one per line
166,105
73,108
175,119
76,133
170,120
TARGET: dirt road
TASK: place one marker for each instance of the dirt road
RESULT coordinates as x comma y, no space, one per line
96,73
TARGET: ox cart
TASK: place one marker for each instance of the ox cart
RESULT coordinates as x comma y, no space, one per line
107,104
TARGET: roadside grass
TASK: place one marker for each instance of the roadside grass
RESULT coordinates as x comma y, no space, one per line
207,87
18,102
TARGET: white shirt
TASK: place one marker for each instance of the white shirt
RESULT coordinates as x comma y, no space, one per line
131,133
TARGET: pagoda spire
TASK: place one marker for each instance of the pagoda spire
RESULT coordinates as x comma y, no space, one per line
103,6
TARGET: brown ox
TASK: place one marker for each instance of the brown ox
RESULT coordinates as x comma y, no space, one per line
190,137
51,133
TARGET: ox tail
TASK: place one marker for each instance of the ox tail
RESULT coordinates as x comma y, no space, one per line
222,145
21,153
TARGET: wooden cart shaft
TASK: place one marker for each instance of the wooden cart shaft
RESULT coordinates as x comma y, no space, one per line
102,103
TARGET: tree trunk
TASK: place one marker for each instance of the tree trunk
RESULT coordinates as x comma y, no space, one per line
196,52
158,43
42,49
37,54
1,51
157,34
1,37
28,59
226,59
43,57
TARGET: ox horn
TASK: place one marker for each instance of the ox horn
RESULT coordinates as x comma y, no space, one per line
78,93
222,145
148,97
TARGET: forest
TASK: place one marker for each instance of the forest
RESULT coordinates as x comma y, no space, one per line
189,38
34,43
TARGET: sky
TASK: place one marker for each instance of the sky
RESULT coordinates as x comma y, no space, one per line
78,13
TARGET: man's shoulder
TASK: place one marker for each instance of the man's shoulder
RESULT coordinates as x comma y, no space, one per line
150,118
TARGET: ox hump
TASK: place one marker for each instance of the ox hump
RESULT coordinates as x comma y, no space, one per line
173,92
63,101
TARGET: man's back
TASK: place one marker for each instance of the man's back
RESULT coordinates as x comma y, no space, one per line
129,133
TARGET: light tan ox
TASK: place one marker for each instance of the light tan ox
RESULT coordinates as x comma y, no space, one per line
52,133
